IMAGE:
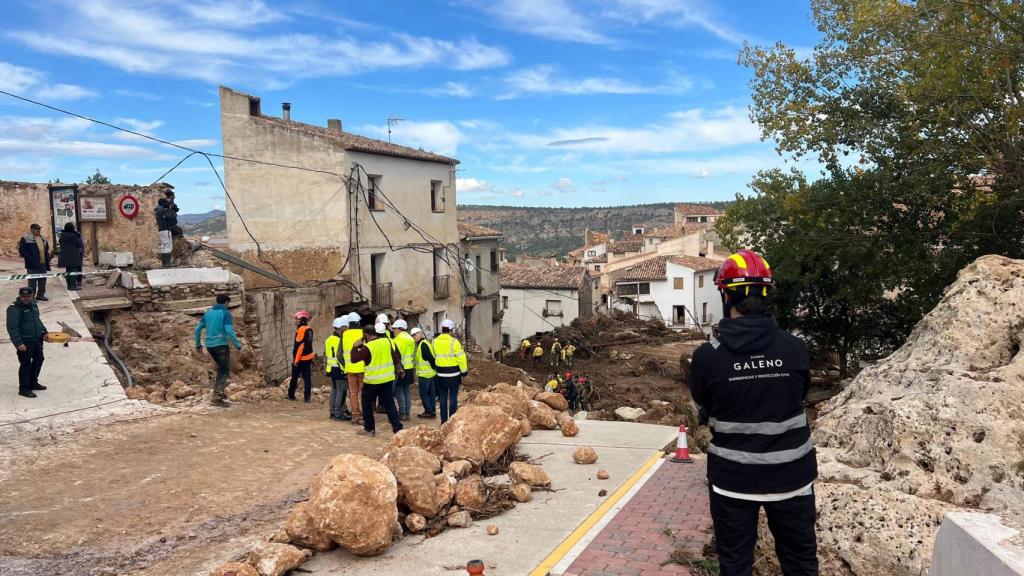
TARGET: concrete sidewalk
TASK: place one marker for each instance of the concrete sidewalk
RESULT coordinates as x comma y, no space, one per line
81,386
531,531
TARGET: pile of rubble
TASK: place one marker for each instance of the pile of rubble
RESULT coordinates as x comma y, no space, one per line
428,480
616,329
934,427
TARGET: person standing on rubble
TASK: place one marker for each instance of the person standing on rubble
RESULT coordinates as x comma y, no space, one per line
353,370
302,357
163,227
426,373
383,368
406,345
524,349
333,359
451,368
556,353
538,354
220,329
752,382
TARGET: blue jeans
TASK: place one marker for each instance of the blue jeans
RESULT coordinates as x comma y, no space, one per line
402,386
448,395
428,396
339,392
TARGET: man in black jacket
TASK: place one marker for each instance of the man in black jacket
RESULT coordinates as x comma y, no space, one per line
751,383
35,250
26,331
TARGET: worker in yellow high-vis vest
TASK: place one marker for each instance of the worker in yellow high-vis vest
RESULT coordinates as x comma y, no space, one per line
451,368
353,370
383,368
333,359
406,345
426,373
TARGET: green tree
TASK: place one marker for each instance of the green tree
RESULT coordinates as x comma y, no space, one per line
97,178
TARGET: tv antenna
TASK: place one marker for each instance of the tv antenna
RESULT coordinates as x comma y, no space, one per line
393,121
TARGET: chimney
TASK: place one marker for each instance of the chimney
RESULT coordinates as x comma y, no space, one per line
334,124
286,110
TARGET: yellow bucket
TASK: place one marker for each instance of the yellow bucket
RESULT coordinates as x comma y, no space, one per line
58,337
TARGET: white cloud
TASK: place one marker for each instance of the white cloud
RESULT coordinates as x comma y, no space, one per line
454,89
549,80
676,13
139,95
472,186
30,82
565,186
439,137
234,13
162,37
196,142
79,148
552,19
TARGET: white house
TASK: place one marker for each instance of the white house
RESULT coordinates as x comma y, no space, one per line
481,254
678,290
536,300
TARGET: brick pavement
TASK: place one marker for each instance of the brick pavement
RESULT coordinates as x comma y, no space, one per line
674,498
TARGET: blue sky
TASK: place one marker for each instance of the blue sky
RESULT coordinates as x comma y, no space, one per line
545,102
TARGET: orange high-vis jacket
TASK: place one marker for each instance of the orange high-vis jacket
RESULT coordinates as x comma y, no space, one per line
303,344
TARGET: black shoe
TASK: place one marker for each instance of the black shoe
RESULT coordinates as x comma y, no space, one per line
306,400
220,403
333,417
42,298
292,398
365,432
28,394
345,418
39,387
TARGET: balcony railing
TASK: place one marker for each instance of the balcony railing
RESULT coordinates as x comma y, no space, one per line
382,295
441,283
548,312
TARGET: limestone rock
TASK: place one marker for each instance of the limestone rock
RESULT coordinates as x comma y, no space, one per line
425,437
524,427
602,474
444,490
629,414
157,397
569,428
415,523
542,416
183,392
234,569
492,530
513,404
354,501
530,474
471,493
136,393
273,559
584,455
521,492
562,417
302,532
556,401
479,434
458,469
521,390
414,469
460,519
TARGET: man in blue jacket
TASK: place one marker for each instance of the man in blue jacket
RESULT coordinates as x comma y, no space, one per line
26,331
35,250
219,330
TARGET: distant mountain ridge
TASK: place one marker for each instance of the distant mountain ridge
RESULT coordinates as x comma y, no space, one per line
212,223
184,219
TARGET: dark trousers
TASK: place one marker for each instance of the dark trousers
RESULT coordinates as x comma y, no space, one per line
38,286
74,282
305,369
222,358
428,395
339,392
30,362
385,393
448,395
790,521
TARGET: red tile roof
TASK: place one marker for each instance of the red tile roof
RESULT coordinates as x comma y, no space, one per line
696,263
560,277
470,230
666,232
697,210
656,269
623,246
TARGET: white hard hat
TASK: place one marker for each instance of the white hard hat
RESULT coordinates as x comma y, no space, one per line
340,322
400,324
380,328
448,324
383,318
354,317
414,331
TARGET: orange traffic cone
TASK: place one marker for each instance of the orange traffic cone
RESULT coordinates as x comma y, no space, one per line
682,452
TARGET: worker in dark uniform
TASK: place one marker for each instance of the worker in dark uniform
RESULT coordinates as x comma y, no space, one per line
751,383
302,357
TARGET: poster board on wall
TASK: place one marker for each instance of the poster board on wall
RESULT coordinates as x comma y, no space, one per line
93,208
63,209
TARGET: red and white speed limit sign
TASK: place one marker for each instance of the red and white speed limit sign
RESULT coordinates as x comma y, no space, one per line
128,206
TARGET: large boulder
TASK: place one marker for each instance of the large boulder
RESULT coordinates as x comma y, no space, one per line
425,437
414,469
940,419
354,501
529,474
629,414
471,493
273,559
303,532
521,390
556,401
542,416
444,490
234,569
513,404
479,434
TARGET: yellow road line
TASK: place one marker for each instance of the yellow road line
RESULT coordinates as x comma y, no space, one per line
582,529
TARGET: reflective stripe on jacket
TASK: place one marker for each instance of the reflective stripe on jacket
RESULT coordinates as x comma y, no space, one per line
424,369
407,348
331,346
449,356
303,344
381,368
348,339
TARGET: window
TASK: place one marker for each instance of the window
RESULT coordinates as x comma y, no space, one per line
505,341
704,312
645,288
552,307
436,196
376,268
372,190
494,260
438,319
597,284
591,253
597,267
677,283
638,231
479,277
700,281
504,302
496,310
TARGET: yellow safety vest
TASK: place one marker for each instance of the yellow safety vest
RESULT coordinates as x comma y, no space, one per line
448,353
526,343
348,338
423,368
538,351
331,352
381,368
407,348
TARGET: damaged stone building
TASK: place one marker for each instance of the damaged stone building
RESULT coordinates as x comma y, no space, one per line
316,203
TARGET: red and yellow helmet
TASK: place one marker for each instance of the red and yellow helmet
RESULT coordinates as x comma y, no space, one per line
744,268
